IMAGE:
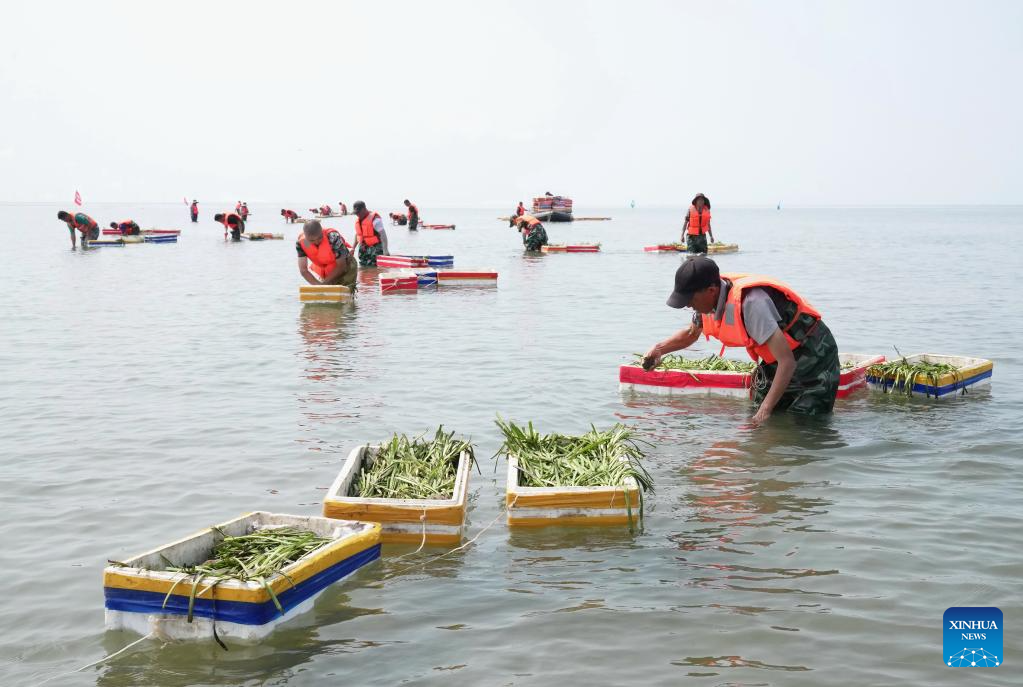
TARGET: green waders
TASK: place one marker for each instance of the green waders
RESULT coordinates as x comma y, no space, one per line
814,384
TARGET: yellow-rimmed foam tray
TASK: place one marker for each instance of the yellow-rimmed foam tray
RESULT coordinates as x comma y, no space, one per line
325,293
144,597
555,506
718,248
403,520
971,372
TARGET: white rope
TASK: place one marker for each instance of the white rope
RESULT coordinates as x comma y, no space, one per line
95,663
422,519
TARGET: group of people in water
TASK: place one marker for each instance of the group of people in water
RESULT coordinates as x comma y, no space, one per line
798,367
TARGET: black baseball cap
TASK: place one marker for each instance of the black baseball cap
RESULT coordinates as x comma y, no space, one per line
695,274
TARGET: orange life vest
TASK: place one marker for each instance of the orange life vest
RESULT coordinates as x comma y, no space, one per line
125,226
83,227
731,331
322,256
364,231
698,221
520,210
412,209
227,220
529,220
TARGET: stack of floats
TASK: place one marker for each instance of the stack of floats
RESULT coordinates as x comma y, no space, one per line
405,281
553,208
143,596
712,248
576,248
854,375
325,293
435,521
411,261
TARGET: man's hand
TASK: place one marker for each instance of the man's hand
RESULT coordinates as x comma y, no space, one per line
652,359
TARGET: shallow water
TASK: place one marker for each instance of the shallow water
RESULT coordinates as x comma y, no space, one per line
149,391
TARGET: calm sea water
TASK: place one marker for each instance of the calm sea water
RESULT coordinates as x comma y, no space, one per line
153,390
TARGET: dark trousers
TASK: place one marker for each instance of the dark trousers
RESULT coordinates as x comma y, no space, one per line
696,244
413,222
814,384
195,217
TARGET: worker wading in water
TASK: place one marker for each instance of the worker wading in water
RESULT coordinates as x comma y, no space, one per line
413,215
797,356
233,223
534,236
194,210
81,222
696,226
370,237
324,257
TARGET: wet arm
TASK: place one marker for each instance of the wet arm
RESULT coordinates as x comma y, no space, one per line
786,368
303,269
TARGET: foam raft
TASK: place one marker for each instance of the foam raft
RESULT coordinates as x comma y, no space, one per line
737,384
556,506
159,238
410,261
970,372
678,382
262,236
142,597
412,280
145,232
325,293
577,248
855,377
98,243
712,249
441,521
437,226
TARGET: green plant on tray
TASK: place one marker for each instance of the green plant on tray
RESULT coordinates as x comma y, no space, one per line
595,459
417,468
711,363
901,374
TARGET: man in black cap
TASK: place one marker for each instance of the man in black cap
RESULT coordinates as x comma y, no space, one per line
798,368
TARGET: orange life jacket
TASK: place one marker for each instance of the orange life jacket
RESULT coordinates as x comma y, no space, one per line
83,227
529,220
227,220
731,331
364,231
322,256
520,210
195,208
698,221
412,209
125,226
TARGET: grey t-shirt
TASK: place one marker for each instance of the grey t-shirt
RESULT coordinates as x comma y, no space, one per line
759,314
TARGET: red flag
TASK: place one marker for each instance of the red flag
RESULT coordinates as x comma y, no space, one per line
78,197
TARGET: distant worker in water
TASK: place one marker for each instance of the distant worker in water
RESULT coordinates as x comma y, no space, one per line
194,209
342,209
81,222
534,236
370,237
290,216
413,215
696,225
244,212
127,227
798,368
520,210
325,254
233,224
399,219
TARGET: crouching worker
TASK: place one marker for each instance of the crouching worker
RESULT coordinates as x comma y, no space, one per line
324,257
797,356
398,219
534,236
127,227
232,223
370,237
289,216
83,223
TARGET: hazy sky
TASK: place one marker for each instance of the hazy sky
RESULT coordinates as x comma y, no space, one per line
470,103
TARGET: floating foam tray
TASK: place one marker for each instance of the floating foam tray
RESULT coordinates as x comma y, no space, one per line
144,598
398,282
437,226
855,377
665,248
106,242
577,248
554,506
325,293
454,277
971,372
401,520
718,248
166,238
262,236
712,249
676,382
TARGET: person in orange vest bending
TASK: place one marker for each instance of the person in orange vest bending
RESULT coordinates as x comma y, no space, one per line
232,223
127,227
370,237
324,257
413,215
798,368
696,225
83,223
